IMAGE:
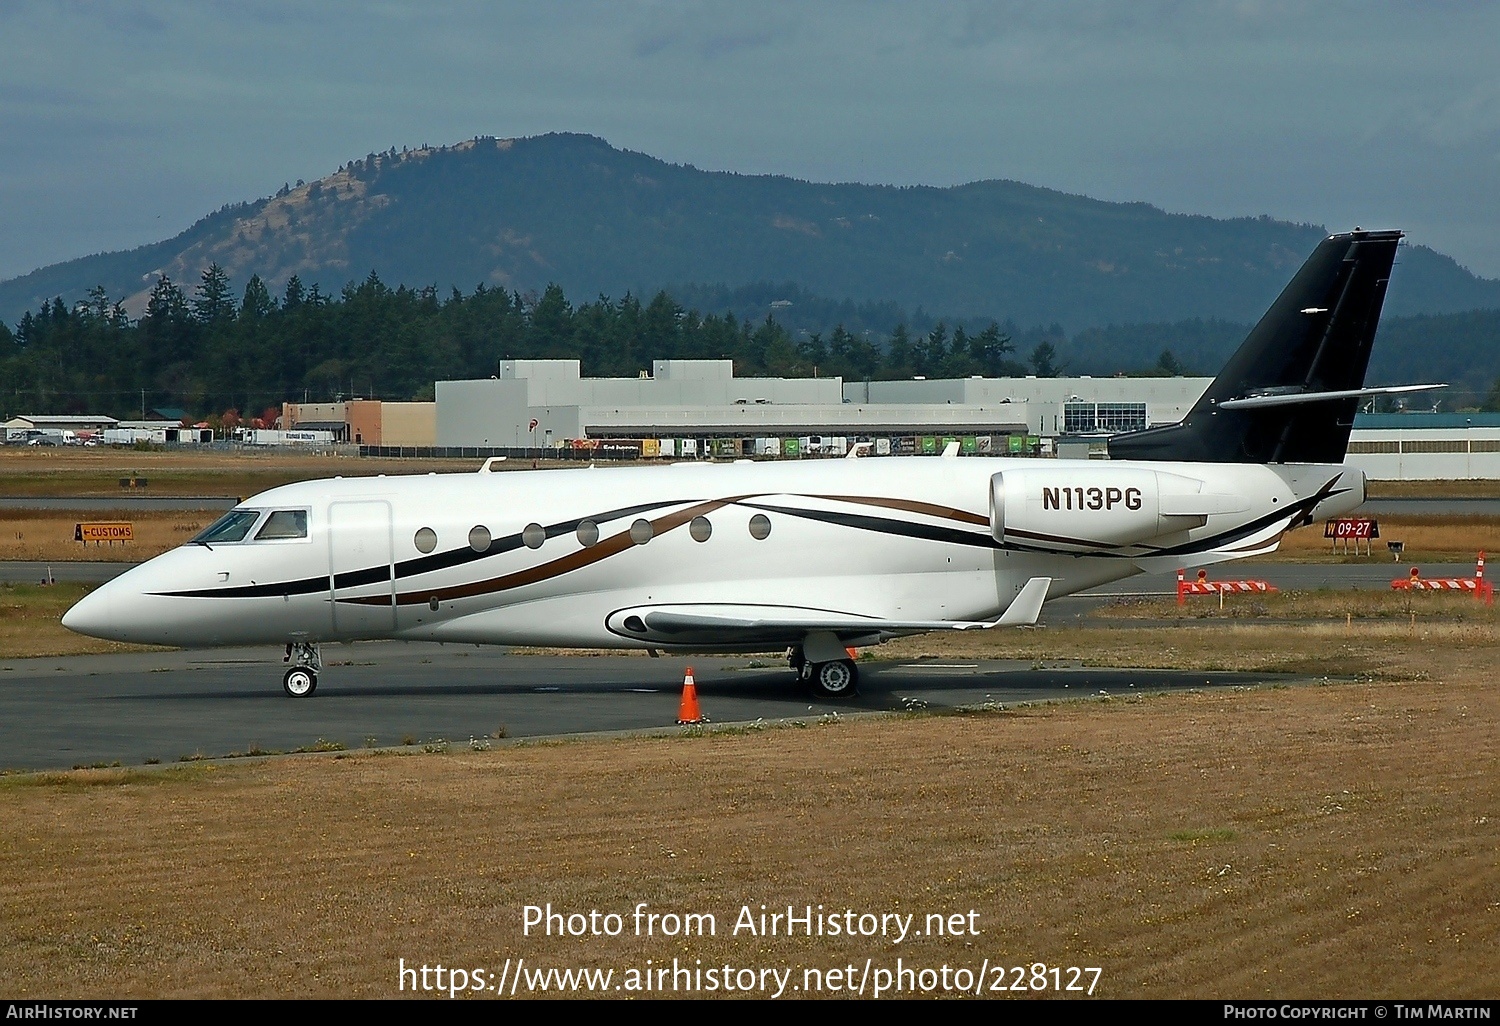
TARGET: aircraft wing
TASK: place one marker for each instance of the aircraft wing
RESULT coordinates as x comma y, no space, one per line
743,624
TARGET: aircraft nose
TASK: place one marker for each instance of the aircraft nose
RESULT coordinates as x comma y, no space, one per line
91,614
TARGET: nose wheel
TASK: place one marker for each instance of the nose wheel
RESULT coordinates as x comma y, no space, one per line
302,679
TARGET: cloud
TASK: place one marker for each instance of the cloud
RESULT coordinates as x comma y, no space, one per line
711,31
1222,107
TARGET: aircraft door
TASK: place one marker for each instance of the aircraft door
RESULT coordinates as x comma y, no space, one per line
361,566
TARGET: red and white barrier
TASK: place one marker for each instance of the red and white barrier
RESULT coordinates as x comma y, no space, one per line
1203,586
1476,585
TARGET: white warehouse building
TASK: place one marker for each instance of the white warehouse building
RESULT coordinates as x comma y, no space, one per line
543,403
1050,407
680,398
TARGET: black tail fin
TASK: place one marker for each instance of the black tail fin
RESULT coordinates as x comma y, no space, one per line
1316,338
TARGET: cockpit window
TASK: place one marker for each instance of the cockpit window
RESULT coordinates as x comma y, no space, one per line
284,524
231,527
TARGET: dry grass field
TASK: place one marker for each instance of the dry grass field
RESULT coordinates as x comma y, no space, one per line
27,534
1439,539
29,623
1312,841
53,471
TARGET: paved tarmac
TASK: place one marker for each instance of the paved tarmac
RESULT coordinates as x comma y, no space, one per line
62,712
26,572
1437,507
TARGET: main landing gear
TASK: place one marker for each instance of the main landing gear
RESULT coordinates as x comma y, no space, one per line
834,678
302,679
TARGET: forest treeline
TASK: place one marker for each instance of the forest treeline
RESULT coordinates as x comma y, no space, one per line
214,348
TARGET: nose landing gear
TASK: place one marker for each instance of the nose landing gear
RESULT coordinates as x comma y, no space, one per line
302,679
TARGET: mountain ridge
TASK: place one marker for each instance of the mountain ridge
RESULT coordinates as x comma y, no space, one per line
571,209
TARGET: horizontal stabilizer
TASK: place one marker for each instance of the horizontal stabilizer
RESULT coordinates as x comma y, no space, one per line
1255,402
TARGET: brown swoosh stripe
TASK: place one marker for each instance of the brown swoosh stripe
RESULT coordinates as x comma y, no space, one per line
912,506
606,547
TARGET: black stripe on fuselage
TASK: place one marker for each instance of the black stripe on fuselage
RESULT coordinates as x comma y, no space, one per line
410,567
901,528
883,525
857,521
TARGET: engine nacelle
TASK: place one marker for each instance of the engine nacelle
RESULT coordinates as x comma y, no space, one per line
1087,508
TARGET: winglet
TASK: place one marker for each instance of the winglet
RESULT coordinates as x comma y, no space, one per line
859,449
1027,605
489,463
950,450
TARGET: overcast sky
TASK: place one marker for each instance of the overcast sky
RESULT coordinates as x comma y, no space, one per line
122,122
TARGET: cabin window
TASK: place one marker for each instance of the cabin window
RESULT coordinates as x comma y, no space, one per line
533,535
700,529
641,531
588,533
284,525
425,540
760,527
231,527
479,538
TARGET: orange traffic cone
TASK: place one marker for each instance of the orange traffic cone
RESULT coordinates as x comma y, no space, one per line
687,709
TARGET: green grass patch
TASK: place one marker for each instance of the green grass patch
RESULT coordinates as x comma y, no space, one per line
1211,835
83,780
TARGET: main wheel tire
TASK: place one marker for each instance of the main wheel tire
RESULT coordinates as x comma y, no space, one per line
837,679
299,682
798,662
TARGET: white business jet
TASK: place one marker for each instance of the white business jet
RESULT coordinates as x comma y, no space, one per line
817,557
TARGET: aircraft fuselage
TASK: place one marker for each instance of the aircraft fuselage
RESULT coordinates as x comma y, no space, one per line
568,557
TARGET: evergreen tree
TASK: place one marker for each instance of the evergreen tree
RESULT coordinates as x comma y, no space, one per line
1044,360
934,352
257,301
166,304
552,323
662,334
1492,401
814,352
214,303
98,304
898,353
1168,366
294,294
